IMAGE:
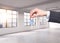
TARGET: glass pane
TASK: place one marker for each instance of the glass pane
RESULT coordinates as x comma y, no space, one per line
9,20
14,20
9,14
9,11
25,20
0,18
28,23
28,20
14,16
24,23
4,25
3,16
9,24
27,14
14,12
2,10
14,24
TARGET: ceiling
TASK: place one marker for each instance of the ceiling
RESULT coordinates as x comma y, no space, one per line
22,3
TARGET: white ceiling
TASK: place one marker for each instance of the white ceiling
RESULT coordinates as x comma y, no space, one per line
20,3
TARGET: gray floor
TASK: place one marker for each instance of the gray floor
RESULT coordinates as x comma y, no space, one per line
37,36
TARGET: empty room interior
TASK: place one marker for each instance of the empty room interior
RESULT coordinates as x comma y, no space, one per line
29,21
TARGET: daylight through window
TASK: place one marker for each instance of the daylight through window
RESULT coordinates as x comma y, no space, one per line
8,18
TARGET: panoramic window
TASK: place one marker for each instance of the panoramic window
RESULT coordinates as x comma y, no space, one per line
8,18
29,21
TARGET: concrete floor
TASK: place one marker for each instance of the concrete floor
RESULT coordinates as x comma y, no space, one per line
36,36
